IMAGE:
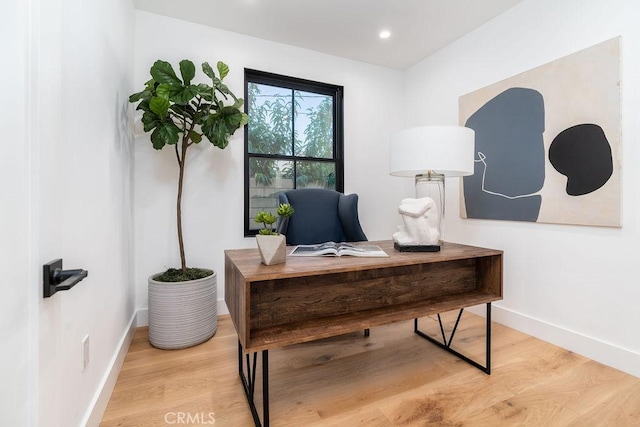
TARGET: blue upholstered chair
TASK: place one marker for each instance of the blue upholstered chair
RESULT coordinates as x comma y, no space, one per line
321,216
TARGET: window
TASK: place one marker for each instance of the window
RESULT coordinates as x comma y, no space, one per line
293,139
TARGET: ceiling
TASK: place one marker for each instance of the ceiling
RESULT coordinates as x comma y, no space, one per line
345,28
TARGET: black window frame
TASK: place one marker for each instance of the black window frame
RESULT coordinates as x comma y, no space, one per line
294,83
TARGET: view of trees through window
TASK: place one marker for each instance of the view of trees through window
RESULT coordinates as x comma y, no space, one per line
293,139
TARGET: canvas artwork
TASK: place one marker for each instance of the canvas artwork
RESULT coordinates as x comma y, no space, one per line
547,145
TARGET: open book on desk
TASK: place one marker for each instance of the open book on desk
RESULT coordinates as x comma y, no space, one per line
338,249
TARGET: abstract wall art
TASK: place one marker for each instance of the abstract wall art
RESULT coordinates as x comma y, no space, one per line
547,143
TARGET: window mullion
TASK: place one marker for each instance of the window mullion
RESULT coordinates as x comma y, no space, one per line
293,138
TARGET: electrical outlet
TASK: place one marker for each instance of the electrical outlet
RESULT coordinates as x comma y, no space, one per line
85,352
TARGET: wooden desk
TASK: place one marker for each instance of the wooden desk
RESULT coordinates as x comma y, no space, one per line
309,298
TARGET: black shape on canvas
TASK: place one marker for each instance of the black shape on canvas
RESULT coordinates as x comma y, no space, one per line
509,134
583,154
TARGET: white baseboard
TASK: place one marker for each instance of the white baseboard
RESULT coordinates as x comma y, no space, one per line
143,317
101,399
606,353
222,307
102,396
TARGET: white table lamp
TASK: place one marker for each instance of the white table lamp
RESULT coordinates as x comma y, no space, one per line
428,154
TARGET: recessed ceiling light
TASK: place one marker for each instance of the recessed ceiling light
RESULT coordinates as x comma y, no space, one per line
385,34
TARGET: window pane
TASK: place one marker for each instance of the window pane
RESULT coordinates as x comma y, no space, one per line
270,119
267,178
314,125
316,174
292,140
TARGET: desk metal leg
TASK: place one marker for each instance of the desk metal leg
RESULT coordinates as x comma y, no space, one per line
249,383
446,344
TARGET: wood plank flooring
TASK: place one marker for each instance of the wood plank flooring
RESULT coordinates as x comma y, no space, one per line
392,378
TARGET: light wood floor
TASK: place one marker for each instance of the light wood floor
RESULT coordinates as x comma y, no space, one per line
392,378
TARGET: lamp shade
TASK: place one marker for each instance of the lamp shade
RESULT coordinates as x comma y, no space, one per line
446,150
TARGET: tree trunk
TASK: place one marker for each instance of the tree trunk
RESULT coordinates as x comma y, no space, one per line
182,164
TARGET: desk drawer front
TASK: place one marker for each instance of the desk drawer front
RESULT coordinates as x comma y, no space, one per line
285,301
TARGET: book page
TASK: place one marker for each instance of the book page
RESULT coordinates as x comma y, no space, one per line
361,250
328,248
338,249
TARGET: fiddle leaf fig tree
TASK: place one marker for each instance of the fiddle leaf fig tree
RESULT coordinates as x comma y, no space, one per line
180,113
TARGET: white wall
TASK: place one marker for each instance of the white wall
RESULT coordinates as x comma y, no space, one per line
17,361
213,200
571,285
81,199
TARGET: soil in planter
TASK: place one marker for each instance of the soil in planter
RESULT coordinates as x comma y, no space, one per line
177,275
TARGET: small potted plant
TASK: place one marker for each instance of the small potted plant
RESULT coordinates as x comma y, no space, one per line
271,243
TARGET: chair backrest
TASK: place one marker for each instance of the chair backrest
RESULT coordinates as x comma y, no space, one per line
321,216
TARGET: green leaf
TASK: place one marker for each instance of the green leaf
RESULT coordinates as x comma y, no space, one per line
216,131
169,91
150,84
232,117
206,68
205,91
185,95
245,119
166,133
162,72
150,121
163,90
223,69
285,210
219,126
195,136
159,105
222,88
239,103
144,105
269,218
145,94
187,71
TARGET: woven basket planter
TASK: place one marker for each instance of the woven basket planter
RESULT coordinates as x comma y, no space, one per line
182,314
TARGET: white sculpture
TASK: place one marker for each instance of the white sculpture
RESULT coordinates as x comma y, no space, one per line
421,220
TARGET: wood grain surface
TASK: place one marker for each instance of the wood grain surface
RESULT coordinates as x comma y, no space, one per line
392,378
309,298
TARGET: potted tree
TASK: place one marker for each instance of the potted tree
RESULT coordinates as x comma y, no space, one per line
179,113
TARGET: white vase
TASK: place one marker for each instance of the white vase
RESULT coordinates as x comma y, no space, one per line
182,314
273,248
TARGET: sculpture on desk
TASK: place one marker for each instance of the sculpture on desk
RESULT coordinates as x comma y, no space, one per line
421,221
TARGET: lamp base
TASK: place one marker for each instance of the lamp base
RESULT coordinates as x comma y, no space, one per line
416,248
